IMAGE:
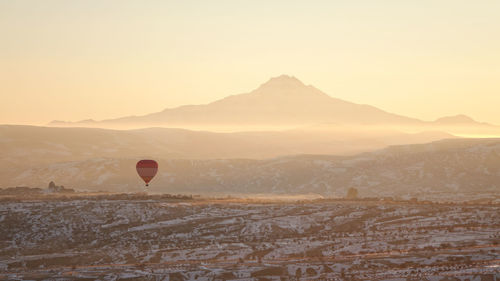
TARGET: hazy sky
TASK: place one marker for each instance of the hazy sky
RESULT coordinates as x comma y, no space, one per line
72,60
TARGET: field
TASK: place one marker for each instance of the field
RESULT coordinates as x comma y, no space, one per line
159,238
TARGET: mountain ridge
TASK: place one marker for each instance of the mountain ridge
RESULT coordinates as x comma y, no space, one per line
285,102
459,119
282,99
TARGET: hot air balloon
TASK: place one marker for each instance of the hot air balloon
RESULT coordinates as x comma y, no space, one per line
147,170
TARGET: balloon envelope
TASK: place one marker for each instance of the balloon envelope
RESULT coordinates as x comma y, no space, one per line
147,169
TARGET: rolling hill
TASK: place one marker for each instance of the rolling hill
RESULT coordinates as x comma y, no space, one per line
31,145
448,169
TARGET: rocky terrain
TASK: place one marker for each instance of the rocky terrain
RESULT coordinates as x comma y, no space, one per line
160,238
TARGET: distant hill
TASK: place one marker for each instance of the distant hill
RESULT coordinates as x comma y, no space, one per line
30,154
33,145
448,169
459,120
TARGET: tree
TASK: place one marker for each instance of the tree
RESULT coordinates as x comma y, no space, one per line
352,193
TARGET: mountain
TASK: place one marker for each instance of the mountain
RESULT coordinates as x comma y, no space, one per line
459,120
282,101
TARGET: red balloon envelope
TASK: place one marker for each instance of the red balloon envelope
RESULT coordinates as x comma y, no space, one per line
147,170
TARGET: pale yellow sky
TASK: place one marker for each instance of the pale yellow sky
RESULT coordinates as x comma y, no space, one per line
72,60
